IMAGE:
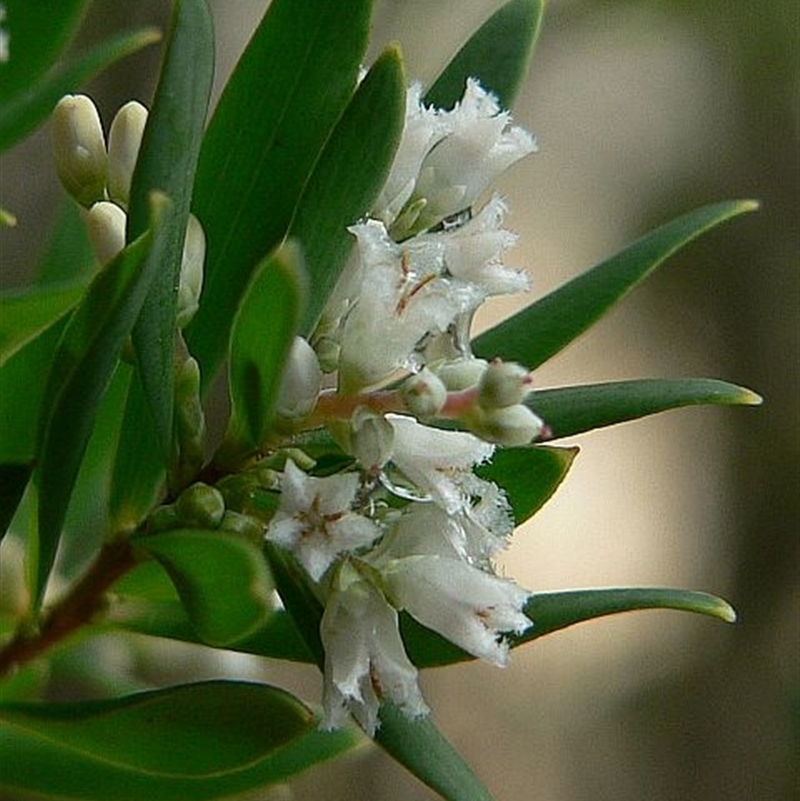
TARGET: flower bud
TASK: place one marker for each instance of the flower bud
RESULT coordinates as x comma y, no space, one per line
328,351
243,525
200,505
301,383
460,373
105,225
191,280
163,518
190,421
371,438
503,384
80,149
124,140
424,394
509,425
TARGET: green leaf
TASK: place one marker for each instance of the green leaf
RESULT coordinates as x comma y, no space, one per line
27,313
166,162
338,193
263,330
222,580
13,480
22,112
85,359
573,410
529,475
419,746
542,329
289,88
224,738
497,54
68,254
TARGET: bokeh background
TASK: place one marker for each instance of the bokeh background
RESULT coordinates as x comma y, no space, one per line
643,110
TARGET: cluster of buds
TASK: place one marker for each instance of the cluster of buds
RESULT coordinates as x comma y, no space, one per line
99,178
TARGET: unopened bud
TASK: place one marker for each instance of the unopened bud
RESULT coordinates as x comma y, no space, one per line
460,373
200,505
371,438
105,226
190,420
503,384
163,518
509,425
328,351
243,525
301,383
124,141
80,149
191,280
424,394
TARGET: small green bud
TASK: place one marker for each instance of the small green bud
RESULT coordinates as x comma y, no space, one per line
371,438
190,420
191,280
105,226
301,382
328,351
244,525
200,505
163,518
460,373
508,425
80,149
503,384
124,141
424,394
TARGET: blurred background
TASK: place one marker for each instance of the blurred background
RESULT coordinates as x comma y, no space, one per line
643,110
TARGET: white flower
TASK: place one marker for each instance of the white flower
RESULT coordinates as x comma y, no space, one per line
365,660
437,461
464,604
314,519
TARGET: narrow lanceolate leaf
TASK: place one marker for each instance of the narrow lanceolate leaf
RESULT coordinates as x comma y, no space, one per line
289,88
529,475
159,742
27,313
573,410
497,54
22,112
222,580
420,747
84,361
263,330
166,163
13,480
545,327
338,194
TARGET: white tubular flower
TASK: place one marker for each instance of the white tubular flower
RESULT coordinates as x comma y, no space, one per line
301,381
191,276
124,141
314,519
464,604
365,660
437,461
105,226
80,149
480,146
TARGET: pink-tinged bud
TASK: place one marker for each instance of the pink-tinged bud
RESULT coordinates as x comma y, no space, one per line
509,425
460,374
80,149
105,226
503,384
424,394
124,141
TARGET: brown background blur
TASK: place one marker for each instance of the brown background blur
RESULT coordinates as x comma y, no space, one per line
643,110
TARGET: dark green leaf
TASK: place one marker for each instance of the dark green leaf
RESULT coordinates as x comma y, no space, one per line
422,748
20,114
528,475
82,367
13,480
68,254
573,410
263,330
291,85
542,329
166,162
27,313
222,580
497,55
350,173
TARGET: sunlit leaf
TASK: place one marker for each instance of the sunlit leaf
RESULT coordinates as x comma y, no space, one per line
542,329
497,54
289,88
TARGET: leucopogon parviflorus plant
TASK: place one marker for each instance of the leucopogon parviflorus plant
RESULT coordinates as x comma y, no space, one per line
323,242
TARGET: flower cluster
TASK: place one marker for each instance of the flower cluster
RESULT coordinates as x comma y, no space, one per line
411,528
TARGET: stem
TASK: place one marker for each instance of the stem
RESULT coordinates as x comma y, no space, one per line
73,611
